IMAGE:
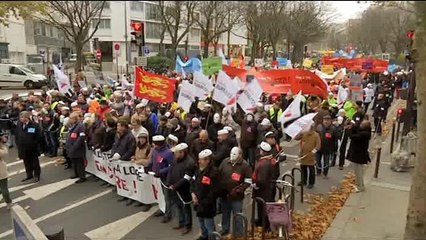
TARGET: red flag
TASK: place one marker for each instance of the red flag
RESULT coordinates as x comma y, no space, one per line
153,87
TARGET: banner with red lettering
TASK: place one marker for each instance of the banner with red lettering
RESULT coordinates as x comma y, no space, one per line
128,177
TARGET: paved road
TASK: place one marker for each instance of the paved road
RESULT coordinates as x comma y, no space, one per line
90,211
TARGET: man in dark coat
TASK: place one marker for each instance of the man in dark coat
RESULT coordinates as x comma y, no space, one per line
180,173
28,136
201,143
76,146
329,136
248,137
214,127
380,110
204,191
223,147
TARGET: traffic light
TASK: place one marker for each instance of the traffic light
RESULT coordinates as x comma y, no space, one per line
138,32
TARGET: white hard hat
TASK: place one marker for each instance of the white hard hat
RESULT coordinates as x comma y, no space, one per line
158,138
180,147
205,153
265,146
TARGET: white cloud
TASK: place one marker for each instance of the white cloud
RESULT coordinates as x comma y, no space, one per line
348,9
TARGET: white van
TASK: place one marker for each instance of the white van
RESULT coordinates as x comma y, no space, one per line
12,75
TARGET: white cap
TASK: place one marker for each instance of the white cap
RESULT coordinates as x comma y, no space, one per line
259,104
330,94
195,120
369,85
180,147
223,131
74,104
265,122
265,146
61,102
158,138
385,72
342,110
65,108
269,133
140,105
167,114
205,153
207,105
84,89
228,128
173,138
143,134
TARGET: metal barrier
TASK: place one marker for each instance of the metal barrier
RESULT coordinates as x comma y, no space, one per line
23,226
291,196
215,236
301,181
376,170
398,130
253,216
245,225
392,137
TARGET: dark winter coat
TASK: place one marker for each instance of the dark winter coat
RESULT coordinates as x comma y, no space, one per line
360,139
179,176
206,186
329,136
125,145
197,146
75,142
232,178
212,131
28,139
265,171
223,149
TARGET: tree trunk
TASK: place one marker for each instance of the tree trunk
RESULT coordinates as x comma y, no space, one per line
415,227
161,45
173,53
274,51
229,43
79,52
297,52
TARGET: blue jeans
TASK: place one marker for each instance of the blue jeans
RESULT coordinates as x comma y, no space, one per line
51,142
323,166
228,207
207,226
183,211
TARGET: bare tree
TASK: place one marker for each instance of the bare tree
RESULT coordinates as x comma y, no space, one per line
19,9
177,18
79,20
216,18
276,14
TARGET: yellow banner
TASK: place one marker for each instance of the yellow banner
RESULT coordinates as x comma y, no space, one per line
307,63
328,69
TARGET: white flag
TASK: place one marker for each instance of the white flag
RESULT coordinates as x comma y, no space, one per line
221,55
225,89
202,84
301,124
292,111
62,80
342,95
61,64
250,96
186,95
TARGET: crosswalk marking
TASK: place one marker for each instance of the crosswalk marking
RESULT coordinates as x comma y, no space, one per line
23,170
45,190
121,227
16,200
62,210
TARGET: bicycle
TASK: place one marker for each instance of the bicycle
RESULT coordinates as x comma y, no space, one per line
279,213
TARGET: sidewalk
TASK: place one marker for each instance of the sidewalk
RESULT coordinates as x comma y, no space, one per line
379,212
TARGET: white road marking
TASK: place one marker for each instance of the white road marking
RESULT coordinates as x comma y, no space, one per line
45,190
62,210
23,170
17,188
14,163
18,199
120,228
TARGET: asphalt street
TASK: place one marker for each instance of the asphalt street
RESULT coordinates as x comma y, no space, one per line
91,211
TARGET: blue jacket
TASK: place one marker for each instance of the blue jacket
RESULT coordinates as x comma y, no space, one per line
154,120
161,159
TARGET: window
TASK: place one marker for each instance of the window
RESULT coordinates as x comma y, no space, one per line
43,29
103,24
195,33
55,33
37,28
48,30
153,30
52,32
15,70
136,6
152,12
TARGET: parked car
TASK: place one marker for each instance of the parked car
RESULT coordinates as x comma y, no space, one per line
12,75
73,57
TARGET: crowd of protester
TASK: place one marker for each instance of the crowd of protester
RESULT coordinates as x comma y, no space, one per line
202,157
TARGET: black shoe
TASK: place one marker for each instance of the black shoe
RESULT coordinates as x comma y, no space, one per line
146,207
341,168
122,199
130,202
36,179
73,177
159,213
202,238
26,179
186,230
310,186
178,227
81,180
166,219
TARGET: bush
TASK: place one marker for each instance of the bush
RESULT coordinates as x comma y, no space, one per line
157,63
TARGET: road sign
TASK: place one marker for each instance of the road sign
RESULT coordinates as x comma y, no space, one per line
117,46
98,54
146,50
142,61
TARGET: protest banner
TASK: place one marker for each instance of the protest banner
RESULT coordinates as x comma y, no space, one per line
258,62
355,80
153,87
225,88
211,65
128,177
307,63
190,66
327,69
186,95
282,62
292,111
62,80
302,124
357,95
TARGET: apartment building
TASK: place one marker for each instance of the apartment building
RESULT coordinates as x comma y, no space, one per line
116,18
12,41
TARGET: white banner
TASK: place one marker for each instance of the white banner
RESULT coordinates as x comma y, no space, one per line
301,124
61,80
129,178
225,88
292,111
186,95
203,85
250,96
